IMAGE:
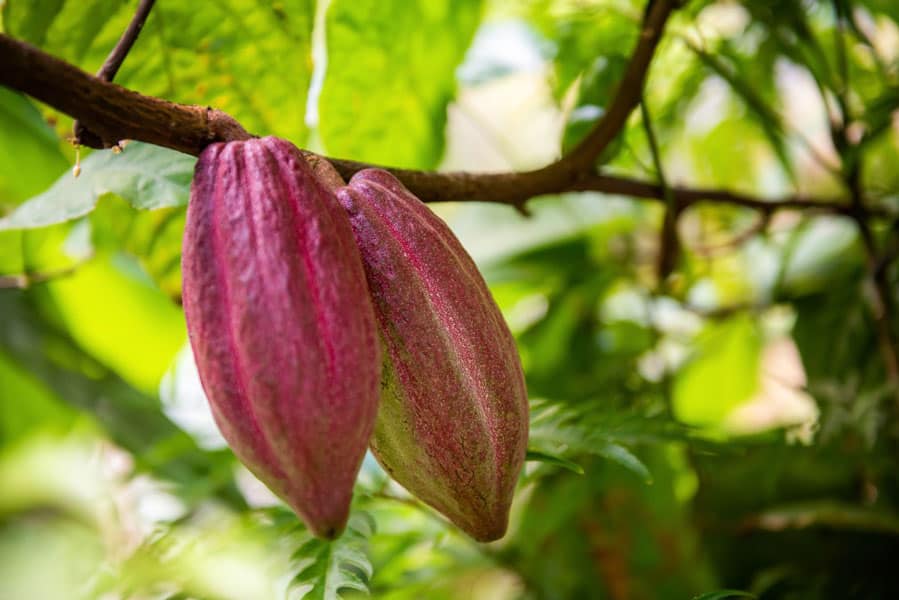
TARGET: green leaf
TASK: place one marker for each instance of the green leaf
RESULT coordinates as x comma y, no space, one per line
249,58
748,90
30,19
153,237
113,310
390,77
147,176
537,456
31,152
723,374
625,458
582,34
25,402
559,432
325,568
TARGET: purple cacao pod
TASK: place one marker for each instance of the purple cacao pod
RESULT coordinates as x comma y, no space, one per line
280,323
452,427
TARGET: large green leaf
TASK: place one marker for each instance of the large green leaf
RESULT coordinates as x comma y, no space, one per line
247,57
559,432
145,175
390,76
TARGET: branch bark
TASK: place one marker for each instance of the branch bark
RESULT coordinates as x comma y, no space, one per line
109,110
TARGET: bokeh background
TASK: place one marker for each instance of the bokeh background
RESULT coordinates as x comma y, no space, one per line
730,427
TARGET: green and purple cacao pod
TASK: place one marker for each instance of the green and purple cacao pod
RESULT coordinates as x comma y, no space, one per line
452,427
281,325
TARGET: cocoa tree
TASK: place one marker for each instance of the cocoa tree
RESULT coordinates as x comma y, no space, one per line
685,210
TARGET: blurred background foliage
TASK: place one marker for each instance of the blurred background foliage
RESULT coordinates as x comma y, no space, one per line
729,428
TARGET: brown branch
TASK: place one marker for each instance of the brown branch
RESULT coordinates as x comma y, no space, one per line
687,196
111,66
111,111
116,113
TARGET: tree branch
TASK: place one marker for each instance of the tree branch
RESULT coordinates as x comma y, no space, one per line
116,113
109,110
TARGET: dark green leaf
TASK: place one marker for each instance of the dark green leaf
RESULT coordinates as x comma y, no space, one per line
537,456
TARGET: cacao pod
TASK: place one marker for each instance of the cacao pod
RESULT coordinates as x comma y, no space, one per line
283,333
452,427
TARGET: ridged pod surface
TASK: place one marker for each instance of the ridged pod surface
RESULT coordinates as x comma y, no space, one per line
452,427
280,323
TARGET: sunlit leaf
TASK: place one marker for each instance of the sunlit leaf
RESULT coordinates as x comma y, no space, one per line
723,374
249,58
147,176
390,76
111,308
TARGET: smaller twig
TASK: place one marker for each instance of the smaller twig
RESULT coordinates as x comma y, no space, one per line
418,505
668,243
881,306
115,59
876,282
629,90
110,67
